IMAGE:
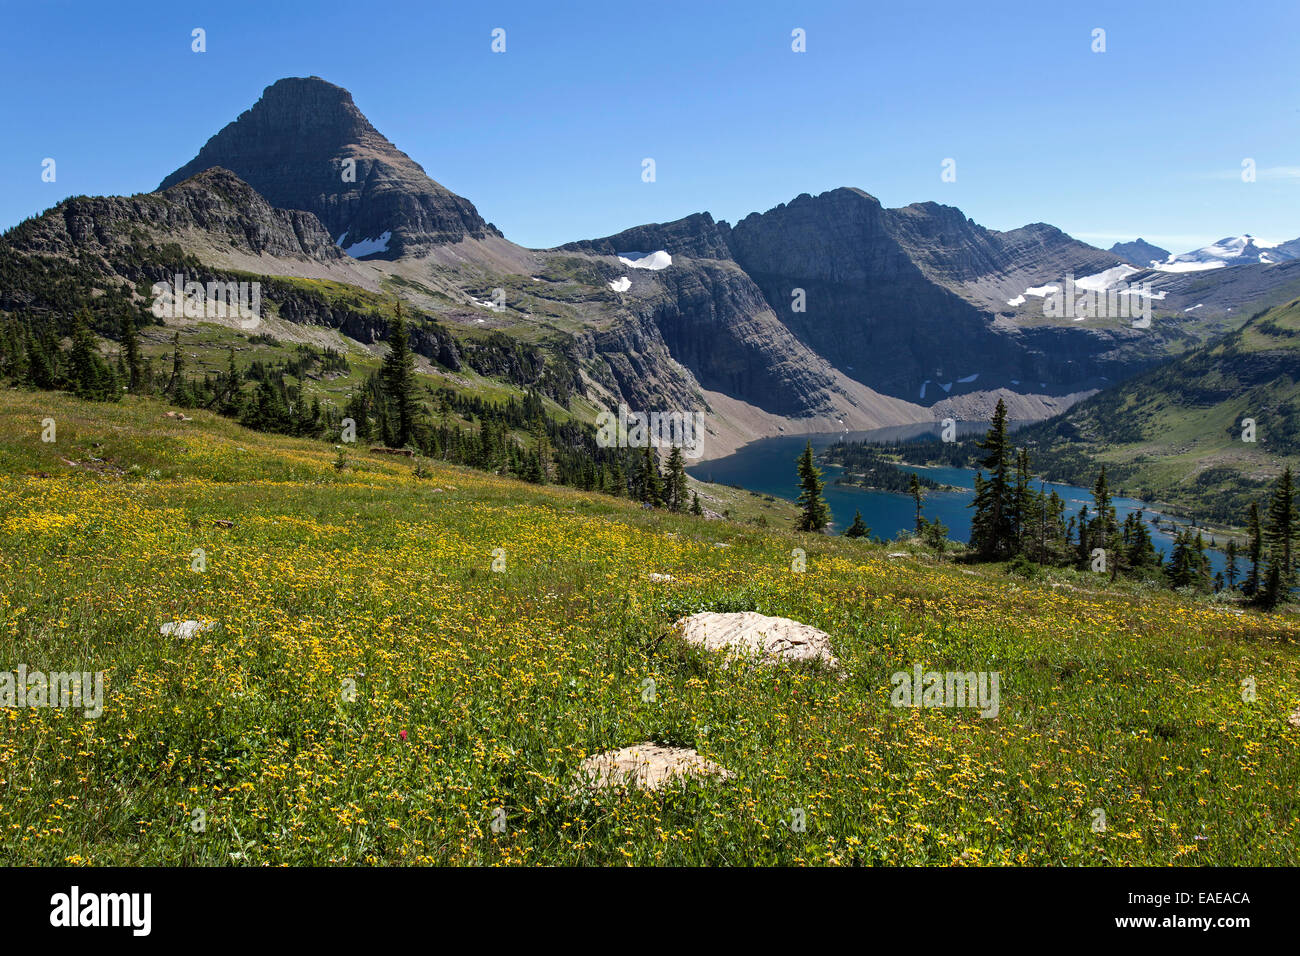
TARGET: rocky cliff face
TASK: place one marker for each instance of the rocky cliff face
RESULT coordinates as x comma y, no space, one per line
216,202
907,302
697,236
305,145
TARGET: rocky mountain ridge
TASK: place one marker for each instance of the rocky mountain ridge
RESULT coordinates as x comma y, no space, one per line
305,145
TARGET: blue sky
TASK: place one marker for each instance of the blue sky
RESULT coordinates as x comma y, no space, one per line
547,139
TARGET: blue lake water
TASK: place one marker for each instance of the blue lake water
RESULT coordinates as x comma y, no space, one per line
767,466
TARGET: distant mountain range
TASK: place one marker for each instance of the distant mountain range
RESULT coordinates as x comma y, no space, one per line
1209,430
823,313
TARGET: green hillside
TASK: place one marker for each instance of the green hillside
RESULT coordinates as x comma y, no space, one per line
368,689
1175,434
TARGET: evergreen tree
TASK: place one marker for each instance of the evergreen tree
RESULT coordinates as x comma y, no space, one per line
1023,510
542,449
1202,563
695,505
1103,532
42,361
1230,554
131,350
398,377
652,484
815,512
1139,549
914,489
89,376
676,480
1280,530
176,383
936,534
620,478
992,532
859,527
1256,547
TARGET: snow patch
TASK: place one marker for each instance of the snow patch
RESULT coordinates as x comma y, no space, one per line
1101,281
621,284
654,261
366,247
1189,266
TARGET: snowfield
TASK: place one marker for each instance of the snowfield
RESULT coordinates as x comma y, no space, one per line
365,247
654,261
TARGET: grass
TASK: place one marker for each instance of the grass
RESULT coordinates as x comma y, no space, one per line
476,690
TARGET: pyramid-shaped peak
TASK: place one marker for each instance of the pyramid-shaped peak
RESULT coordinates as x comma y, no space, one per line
307,102
305,145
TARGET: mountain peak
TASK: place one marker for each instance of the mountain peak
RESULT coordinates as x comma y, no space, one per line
305,145
1140,253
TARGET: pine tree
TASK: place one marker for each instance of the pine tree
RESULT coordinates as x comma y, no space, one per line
131,350
1201,563
1280,533
1023,502
398,378
542,448
695,505
178,366
1230,554
914,489
1180,569
652,483
859,527
816,513
620,478
936,535
1103,532
1139,549
992,532
676,480
1256,547
89,376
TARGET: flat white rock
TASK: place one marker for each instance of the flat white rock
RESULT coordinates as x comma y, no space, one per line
185,628
748,633
649,766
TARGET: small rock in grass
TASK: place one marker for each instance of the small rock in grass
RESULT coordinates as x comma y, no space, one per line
660,578
1294,719
649,766
899,554
185,629
748,633
224,523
